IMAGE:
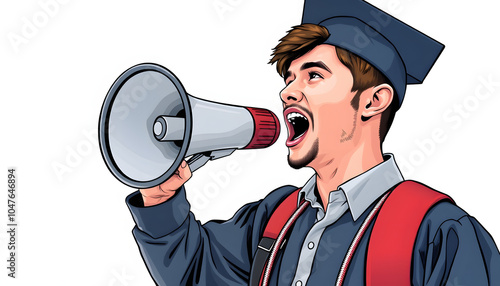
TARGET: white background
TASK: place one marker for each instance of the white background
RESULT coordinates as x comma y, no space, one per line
59,61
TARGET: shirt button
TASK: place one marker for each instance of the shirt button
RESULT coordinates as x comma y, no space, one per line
310,245
298,283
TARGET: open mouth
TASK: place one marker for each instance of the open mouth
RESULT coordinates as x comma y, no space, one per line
298,125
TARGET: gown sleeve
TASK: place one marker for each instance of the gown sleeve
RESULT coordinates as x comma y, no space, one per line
178,250
453,249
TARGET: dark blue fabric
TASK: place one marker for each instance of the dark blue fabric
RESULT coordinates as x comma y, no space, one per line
403,54
452,248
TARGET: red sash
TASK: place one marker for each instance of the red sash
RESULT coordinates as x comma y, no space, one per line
390,248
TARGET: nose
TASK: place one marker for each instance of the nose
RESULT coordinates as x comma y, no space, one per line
291,93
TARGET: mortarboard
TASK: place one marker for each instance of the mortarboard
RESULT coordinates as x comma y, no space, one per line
403,54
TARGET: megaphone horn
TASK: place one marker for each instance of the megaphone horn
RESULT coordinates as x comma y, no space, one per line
149,124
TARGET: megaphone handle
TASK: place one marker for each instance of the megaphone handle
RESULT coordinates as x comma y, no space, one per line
198,160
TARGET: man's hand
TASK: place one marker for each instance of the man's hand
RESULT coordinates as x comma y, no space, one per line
164,191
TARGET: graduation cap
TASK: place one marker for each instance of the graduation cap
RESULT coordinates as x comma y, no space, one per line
403,54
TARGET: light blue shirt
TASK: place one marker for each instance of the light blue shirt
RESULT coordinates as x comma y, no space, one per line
355,195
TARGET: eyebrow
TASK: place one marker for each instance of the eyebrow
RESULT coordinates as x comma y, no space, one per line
308,65
319,64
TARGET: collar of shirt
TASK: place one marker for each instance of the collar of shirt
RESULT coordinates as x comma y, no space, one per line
359,192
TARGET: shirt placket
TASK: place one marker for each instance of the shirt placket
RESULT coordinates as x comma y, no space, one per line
337,206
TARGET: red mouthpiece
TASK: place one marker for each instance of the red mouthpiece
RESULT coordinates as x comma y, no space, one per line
267,128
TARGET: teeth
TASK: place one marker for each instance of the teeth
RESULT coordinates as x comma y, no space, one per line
299,136
294,115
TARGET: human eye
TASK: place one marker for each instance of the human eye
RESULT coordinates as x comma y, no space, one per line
314,75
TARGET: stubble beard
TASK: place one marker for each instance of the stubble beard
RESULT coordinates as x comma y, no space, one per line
306,159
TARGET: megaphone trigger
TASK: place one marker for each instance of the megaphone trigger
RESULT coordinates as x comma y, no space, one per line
200,159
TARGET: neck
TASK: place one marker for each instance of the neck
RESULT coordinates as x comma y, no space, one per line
341,169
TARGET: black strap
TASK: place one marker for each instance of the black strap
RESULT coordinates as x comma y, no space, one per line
275,224
260,260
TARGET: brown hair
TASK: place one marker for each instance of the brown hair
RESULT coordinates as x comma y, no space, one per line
303,38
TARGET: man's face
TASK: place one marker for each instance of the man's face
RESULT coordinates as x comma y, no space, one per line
317,110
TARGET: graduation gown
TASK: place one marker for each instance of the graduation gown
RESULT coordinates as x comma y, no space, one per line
451,248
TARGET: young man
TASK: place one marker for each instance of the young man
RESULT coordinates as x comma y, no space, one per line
344,80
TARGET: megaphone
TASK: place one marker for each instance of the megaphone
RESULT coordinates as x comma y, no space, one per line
148,125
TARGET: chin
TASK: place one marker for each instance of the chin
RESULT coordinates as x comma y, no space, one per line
304,160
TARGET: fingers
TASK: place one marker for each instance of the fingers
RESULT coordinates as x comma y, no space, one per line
180,177
184,171
166,190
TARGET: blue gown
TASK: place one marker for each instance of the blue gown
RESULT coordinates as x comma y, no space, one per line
451,248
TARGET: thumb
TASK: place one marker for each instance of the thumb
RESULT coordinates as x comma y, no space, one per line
181,176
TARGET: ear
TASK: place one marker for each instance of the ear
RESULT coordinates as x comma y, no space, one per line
376,100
